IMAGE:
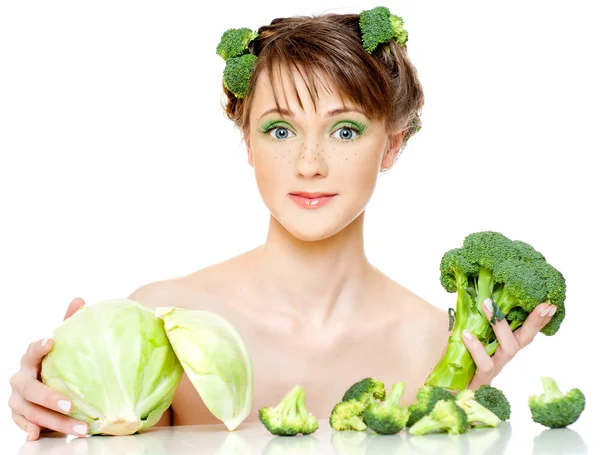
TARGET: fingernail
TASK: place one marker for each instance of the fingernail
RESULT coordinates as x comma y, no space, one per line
64,405
467,334
80,429
45,342
545,312
487,303
552,311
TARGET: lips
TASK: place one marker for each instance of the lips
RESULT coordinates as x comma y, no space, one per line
311,200
311,195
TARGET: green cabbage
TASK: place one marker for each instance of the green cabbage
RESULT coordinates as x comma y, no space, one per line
114,361
215,359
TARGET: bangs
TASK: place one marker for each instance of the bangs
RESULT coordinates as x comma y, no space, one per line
324,55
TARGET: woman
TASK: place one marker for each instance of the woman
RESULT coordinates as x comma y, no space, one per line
310,306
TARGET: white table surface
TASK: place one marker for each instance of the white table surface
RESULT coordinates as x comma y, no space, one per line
520,437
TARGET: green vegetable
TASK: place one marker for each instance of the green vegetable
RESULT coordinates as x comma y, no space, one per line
234,42
555,409
377,26
477,414
113,360
237,72
493,399
427,397
446,417
388,417
289,417
347,415
366,391
215,359
514,276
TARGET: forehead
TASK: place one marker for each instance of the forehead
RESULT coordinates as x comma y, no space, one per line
296,89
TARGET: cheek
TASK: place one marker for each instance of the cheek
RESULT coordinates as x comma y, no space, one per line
268,169
359,169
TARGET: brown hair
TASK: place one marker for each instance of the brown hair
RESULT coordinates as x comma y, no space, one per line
384,83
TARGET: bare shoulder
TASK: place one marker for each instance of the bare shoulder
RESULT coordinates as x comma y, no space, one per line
209,285
417,314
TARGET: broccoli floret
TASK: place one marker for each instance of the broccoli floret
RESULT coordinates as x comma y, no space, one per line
514,276
493,399
477,414
377,26
366,391
446,417
237,72
555,409
427,397
234,42
388,417
289,417
348,415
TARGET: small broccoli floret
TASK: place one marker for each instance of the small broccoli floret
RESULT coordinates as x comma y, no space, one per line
237,72
366,391
348,415
477,414
289,417
379,26
493,399
234,42
446,417
388,417
514,276
427,397
555,409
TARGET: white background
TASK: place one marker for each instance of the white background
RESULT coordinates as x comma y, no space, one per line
118,166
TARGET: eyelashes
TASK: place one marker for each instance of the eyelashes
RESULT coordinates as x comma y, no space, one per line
358,128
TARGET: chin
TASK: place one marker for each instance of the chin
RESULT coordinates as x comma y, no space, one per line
314,226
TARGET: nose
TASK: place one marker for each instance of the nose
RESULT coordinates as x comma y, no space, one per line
312,161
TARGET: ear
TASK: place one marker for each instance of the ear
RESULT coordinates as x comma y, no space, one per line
394,144
250,155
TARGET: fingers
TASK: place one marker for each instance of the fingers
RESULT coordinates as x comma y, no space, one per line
75,305
537,319
32,358
36,392
45,418
33,431
508,344
485,365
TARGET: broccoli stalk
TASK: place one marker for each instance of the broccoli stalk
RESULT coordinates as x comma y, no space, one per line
477,414
555,409
446,417
290,416
514,276
388,417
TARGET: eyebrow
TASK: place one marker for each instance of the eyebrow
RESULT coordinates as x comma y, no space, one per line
328,114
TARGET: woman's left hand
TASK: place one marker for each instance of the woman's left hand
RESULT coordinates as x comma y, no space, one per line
509,342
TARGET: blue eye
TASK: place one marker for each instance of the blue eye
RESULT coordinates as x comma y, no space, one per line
348,128
278,130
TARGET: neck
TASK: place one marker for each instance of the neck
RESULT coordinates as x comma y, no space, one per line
315,278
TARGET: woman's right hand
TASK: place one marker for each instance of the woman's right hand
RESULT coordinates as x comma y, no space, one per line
35,406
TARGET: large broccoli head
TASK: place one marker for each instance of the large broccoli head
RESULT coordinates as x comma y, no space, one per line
514,276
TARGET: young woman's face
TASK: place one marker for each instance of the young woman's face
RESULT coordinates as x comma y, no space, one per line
309,151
